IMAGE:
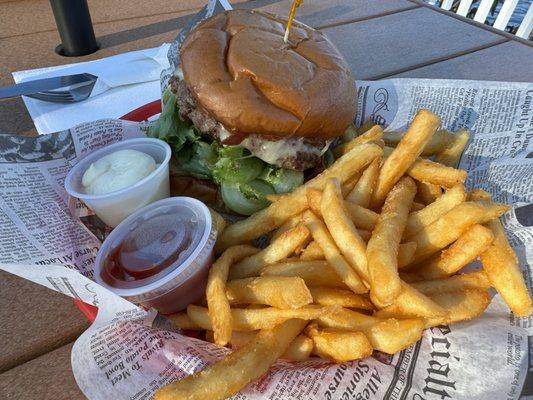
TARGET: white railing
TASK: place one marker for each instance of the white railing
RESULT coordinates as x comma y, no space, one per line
502,19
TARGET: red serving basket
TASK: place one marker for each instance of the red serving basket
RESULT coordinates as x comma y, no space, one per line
140,114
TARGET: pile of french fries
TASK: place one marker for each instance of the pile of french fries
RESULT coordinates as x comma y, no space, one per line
363,257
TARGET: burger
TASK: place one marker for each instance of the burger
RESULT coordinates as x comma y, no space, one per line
248,115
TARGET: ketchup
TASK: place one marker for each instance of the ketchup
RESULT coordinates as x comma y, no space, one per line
149,251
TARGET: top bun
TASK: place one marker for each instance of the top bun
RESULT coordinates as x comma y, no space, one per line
241,72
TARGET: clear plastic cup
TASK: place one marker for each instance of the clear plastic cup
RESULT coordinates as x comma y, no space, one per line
176,232
114,206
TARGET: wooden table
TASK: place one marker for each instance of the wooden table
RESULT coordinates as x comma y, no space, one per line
380,39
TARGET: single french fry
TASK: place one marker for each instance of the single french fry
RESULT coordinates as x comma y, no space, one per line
312,252
417,206
406,253
438,142
342,229
331,252
461,305
501,266
314,273
241,338
383,246
218,221
419,219
427,193
411,304
275,291
282,247
217,302
373,133
387,335
361,217
362,191
423,126
451,155
229,375
295,202
463,251
182,321
292,222
338,297
348,186
339,347
437,174
299,350
252,319
471,280
452,225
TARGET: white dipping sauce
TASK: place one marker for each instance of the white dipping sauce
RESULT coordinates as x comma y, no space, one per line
117,171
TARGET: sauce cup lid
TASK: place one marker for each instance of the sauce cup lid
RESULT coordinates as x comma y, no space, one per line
158,247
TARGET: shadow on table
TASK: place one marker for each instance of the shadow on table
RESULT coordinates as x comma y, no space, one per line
169,25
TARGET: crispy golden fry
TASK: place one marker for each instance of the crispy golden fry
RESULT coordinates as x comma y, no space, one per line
386,335
362,191
438,142
292,222
312,252
501,266
273,197
427,193
218,221
339,347
348,186
229,375
453,224
373,133
275,291
383,246
338,297
293,203
182,321
406,252
314,273
252,319
412,304
461,305
217,302
463,251
471,280
360,216
299,350
332,253
419,219
342,229
417,206
437,174
241,338
451,155
282,247
423,126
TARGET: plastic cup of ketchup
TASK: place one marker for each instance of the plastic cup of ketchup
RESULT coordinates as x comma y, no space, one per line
160,255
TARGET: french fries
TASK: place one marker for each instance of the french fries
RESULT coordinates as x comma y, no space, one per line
339,346
331,252
295,202
419,219
342,233
362,191
451,155
283,246
275,291
423,126
218,221
325,296
382,250
229,375
342,229
436,174
217,302
463,251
